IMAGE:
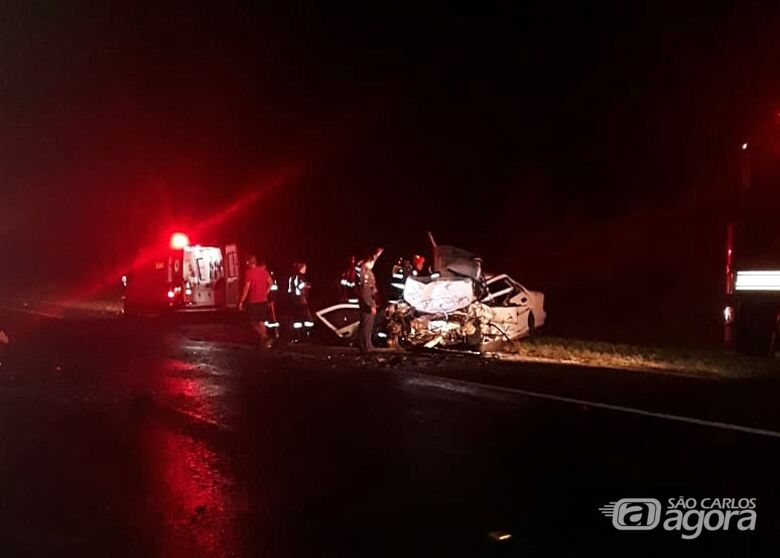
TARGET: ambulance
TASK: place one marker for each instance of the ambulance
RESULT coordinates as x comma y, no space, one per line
183,277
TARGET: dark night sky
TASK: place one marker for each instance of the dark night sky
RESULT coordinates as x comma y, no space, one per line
586,148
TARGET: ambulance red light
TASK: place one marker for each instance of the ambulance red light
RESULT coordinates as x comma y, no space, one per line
179,241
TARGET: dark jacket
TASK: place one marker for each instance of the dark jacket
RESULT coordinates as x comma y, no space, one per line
367,290
348,285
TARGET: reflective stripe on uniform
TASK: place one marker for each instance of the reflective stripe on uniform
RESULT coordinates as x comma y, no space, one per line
294,284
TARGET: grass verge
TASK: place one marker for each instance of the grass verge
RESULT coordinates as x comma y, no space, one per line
695,362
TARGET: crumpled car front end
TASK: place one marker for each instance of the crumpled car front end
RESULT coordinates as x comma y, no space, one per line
477,326
457,307
407,327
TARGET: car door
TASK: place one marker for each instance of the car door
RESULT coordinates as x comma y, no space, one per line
342,319
501,289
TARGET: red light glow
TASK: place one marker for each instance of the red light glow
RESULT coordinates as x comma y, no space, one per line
259,188
179,241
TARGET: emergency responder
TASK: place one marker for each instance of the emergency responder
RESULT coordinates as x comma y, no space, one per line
272,323
418,267
348,282
368,301
298,288
257,285
403,269
397,280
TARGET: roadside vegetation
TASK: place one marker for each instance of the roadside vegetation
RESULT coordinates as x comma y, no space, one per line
716,363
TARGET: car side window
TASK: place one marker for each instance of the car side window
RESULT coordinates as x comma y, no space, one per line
501,291
497,286
341,317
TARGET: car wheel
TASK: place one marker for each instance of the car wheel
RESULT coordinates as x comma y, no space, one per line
474,340
531,324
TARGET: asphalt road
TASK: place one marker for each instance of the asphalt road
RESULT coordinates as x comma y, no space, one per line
176,438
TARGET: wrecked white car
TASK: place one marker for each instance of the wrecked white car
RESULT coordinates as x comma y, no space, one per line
457,307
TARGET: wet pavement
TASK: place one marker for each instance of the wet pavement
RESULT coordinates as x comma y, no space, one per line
177,438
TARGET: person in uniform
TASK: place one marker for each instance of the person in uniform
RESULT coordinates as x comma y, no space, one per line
349,282
298,288
401,271
398,279
273,323
369,302
418,267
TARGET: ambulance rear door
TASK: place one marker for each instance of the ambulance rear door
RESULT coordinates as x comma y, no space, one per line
203,272
232,276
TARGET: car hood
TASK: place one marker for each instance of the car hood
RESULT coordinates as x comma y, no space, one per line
437,297
451,261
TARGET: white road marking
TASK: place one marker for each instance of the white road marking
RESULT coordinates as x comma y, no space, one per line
458,385
464,385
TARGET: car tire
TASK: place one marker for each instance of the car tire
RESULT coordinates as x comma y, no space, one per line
474,341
